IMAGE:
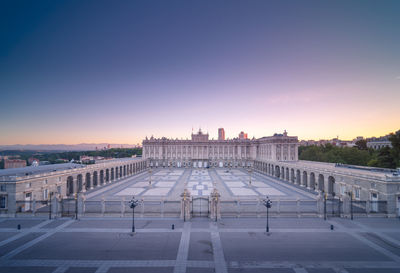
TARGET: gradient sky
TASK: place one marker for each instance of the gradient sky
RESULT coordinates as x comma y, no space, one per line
117,71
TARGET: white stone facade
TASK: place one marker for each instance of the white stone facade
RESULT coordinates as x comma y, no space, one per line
199,151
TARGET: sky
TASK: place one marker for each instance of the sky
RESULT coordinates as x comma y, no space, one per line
118,71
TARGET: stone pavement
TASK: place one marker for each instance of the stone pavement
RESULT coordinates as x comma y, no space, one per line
296,245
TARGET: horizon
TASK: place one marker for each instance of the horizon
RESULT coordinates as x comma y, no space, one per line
102,72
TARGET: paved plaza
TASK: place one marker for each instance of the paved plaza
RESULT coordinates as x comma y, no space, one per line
169,183
296,245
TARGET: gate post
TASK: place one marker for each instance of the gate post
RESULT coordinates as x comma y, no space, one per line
320,205
185,205
215,210
346,205
81,204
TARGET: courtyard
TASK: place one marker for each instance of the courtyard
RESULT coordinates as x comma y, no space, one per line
298,245
169,183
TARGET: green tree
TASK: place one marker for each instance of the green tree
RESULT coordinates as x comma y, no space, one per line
361,144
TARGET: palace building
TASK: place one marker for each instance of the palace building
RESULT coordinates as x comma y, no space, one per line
200,151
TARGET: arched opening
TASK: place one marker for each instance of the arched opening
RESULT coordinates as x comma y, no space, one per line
70,185
88,182
321,183
277,171
283,173
287,174
101,177
312,181
79,182
120,171
292,175
95,179
298,177
124,170
112,174
272,170
107,175
331,185
116,173
305,180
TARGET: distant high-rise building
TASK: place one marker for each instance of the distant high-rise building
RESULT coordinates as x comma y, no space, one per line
242,135
221,134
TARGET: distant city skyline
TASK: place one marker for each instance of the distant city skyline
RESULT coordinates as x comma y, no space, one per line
116,72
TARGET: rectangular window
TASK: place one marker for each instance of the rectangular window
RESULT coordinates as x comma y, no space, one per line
3,187
342,189
59,189
357,193
3,201
45,194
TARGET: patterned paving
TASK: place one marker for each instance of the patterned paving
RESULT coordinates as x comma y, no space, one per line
302,245
170,183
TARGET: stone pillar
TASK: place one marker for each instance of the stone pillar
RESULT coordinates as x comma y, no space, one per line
346,206
185,205
81,204
215,206
320,204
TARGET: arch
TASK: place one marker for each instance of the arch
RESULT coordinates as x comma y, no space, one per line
116,172
287,174
283,173
87,181
312,181
79,182
331,185
277,171
292,175
298,177
112,174
124,170
70,185
95,179
101,177
305,179
321,183
120,171
107,175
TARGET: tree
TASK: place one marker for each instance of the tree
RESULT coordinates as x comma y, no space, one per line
361,144
395,140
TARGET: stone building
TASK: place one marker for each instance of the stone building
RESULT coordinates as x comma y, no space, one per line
200,151
18,187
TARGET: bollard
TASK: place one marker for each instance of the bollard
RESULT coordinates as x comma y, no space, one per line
19,227
331,227
173,226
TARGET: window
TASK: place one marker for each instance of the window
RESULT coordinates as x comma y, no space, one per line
59,189
45,182
357,193
45,194
3,201
3,187
342,189
28,185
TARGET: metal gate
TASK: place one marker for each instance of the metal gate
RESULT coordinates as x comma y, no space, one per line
200,206
333,207
69,207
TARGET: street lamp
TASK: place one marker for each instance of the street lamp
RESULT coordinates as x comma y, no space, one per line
150,177
133,203
267,203
250,172
350,194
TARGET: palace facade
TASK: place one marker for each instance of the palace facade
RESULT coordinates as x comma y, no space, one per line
200,151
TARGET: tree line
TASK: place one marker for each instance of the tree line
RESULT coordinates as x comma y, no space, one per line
54,157
361,155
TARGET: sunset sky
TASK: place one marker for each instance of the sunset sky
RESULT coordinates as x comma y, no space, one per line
118,71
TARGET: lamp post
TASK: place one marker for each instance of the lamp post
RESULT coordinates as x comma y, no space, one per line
267,203
350,193
133,203
250,172
150,171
